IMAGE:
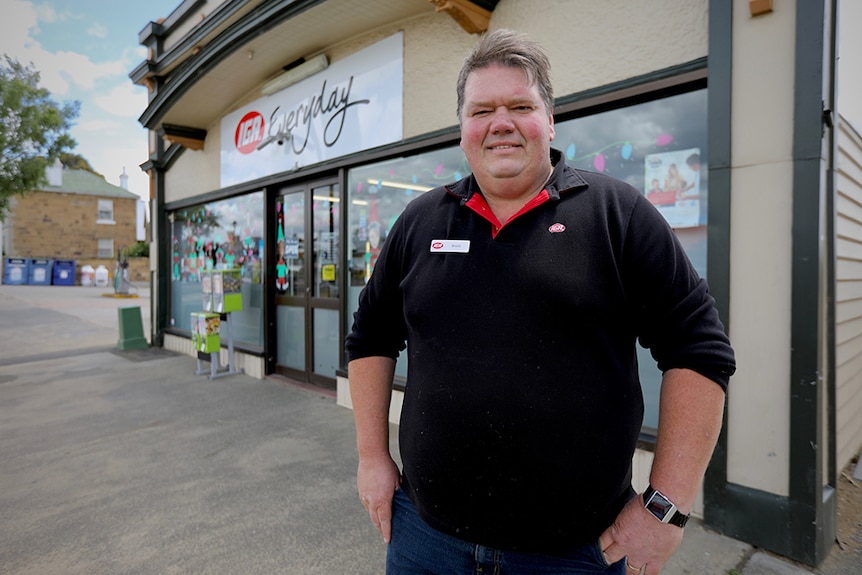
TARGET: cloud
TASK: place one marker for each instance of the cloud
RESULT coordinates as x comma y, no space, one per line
16,26
126,100
98,30
59,71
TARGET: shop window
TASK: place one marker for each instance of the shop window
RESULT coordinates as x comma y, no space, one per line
224,234
378,194
659,147
105,213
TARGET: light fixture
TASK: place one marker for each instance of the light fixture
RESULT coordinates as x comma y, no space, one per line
294,75
391,184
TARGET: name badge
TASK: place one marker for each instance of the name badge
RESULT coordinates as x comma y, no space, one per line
450,246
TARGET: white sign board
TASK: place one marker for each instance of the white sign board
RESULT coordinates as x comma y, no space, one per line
353,105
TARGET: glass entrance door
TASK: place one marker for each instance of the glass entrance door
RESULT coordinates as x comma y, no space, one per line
308,316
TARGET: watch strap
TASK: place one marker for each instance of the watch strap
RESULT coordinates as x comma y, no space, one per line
674,516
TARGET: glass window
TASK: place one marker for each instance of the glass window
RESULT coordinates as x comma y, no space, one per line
106,248
225,234
377,194
659,147
325,222
105,214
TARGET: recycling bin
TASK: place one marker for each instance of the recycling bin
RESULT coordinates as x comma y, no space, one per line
16,271
63,273
40,272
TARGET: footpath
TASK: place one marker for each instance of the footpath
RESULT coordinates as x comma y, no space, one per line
125,461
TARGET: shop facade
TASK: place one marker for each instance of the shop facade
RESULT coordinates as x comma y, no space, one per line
287,136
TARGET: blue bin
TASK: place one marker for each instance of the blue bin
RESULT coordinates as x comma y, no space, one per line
40,272
16,271
63,273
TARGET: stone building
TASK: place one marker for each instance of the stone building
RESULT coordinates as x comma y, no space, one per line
76,216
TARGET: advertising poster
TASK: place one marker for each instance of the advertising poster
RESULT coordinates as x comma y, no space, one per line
672,184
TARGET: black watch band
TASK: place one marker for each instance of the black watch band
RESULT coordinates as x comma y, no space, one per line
663,508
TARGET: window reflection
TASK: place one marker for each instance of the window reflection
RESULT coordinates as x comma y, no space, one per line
223,234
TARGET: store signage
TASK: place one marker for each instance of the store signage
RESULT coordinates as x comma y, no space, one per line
353,105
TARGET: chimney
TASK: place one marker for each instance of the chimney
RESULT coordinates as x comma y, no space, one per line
54,173
124,180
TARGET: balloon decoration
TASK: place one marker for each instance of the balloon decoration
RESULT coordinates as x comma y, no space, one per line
601,158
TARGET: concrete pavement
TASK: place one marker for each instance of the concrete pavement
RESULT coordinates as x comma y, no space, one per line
126,462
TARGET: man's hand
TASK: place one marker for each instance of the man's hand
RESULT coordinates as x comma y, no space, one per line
377,479
638,535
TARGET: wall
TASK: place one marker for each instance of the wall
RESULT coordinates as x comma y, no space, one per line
848,296
760,247
59,225
575,34
597,43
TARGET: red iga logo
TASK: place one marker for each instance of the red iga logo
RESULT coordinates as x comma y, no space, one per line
249,132
436,245
557,228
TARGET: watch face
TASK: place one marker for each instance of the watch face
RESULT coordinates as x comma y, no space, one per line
659,505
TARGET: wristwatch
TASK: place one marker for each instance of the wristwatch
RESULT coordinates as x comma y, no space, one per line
663,508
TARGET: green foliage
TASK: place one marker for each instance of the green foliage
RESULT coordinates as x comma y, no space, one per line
77,162
139,250
34,130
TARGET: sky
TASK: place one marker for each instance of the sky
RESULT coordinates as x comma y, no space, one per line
84,51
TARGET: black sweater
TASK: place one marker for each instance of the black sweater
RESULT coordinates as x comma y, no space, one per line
523,405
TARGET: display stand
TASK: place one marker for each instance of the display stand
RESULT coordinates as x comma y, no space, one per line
221,294
216,369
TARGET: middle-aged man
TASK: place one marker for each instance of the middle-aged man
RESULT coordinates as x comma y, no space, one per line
520,292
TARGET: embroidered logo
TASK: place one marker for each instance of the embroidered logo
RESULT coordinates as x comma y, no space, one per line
557,228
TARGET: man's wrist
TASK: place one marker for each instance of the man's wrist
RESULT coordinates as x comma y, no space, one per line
662,508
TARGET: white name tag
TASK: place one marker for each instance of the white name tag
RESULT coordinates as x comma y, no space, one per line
451,246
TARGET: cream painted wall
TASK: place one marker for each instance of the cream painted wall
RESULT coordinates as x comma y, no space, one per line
575,33
196,171
848,294
597,43
850,62
760,268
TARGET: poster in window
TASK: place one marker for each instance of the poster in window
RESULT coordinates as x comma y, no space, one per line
672,184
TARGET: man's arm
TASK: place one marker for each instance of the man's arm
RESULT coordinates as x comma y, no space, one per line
377,477
690,416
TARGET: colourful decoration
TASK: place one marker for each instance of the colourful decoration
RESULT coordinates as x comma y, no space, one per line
599,162
626,151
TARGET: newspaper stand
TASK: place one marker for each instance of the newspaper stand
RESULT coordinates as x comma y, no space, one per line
220,298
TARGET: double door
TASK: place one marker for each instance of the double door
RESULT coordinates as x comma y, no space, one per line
307,278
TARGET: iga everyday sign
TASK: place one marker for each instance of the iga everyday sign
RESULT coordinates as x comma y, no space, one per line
353,105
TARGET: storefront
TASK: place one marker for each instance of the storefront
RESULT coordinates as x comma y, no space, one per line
294,176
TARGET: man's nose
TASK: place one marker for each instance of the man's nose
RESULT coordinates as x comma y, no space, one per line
501,121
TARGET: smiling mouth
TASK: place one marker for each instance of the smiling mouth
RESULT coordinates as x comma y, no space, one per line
506,147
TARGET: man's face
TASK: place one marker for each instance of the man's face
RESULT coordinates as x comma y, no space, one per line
506,131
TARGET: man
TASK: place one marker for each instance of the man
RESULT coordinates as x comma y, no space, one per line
520,292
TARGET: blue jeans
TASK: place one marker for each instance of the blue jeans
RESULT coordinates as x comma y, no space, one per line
417,549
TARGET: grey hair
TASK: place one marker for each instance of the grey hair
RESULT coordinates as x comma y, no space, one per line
511,49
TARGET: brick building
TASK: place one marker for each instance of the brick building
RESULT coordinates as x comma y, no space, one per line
76,216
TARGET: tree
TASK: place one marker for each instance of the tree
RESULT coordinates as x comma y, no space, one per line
72,161
34,130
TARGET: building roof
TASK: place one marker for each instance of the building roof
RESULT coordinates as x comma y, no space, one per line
88,184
